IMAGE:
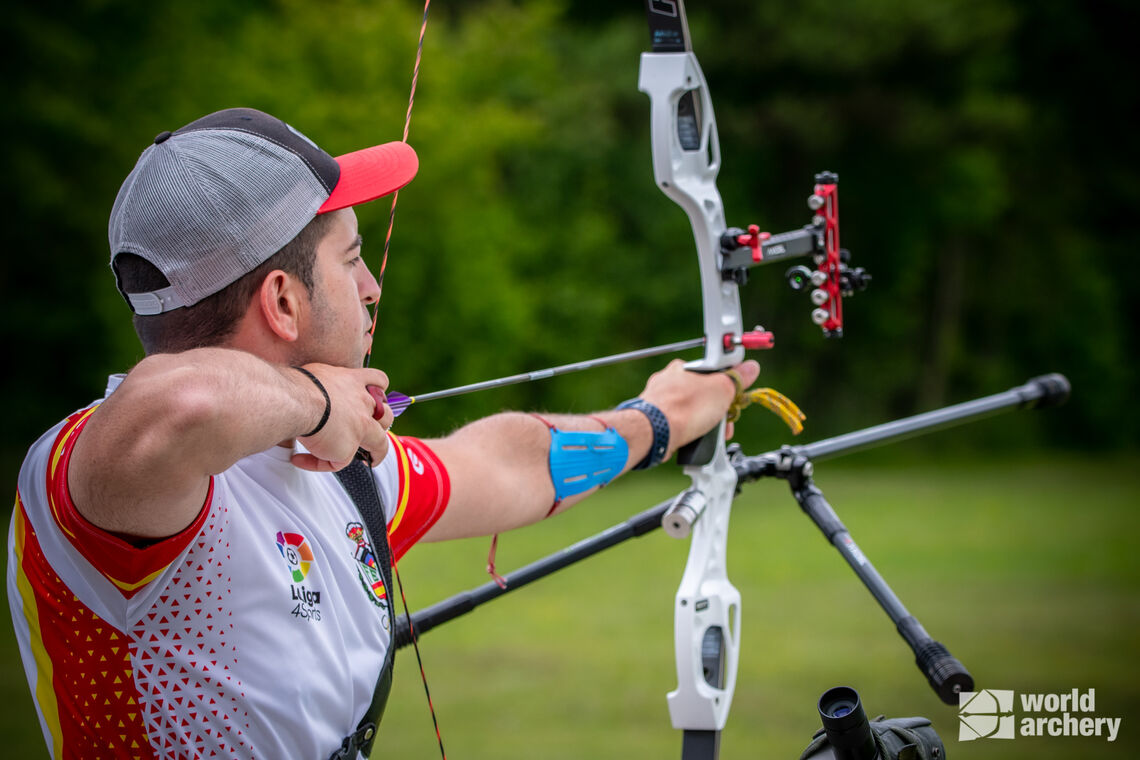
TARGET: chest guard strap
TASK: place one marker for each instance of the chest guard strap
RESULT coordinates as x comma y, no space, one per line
361,487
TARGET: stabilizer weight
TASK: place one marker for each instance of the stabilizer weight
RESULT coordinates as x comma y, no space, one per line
1053,388
947,676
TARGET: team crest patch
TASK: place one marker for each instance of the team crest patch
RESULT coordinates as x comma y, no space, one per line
367,566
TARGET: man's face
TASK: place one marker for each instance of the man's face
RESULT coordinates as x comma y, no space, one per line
336,331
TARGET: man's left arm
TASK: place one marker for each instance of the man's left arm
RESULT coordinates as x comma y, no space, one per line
499,467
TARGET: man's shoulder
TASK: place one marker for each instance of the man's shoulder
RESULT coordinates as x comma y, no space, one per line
47,446
44,454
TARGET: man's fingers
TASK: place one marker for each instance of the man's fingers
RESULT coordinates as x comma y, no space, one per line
385,416
375,377
377,454
379,398
383,412
748,371
376,441
312,463
360,418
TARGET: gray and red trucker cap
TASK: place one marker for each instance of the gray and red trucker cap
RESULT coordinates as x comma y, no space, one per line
208,203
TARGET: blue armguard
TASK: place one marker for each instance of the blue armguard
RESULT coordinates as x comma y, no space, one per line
580,460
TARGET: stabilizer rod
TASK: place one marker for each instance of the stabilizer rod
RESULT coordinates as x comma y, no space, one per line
462,603
1038,393
946,675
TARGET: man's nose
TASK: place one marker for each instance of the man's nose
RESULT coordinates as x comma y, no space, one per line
369,288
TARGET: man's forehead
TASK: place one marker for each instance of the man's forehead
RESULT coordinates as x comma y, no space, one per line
343,233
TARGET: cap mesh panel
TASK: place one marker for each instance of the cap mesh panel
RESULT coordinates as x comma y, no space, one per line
208,206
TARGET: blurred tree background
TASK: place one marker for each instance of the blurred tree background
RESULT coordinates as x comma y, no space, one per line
989,184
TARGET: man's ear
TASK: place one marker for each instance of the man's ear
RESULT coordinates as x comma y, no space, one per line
281,300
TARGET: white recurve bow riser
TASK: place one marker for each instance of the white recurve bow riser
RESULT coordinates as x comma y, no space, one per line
706,601
689,178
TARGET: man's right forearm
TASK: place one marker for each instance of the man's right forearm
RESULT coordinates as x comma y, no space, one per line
142,464
210,407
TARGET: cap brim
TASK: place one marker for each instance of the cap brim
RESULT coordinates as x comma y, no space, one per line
372,173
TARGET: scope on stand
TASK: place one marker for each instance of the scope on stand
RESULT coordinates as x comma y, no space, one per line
848,735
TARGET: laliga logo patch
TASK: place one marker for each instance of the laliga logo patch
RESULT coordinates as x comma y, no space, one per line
295,549
298,558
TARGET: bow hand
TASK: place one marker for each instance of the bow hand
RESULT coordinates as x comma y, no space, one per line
695,402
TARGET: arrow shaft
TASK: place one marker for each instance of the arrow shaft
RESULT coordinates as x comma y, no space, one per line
542,374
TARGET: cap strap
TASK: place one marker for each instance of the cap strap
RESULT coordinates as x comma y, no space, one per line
155,302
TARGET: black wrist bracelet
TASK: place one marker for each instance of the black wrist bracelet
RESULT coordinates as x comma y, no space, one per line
328,401
660,427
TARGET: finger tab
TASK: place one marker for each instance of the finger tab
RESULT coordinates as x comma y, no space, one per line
378,397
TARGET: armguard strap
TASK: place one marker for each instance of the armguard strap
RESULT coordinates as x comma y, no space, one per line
580,460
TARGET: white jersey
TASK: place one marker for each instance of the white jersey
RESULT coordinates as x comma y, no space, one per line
258,631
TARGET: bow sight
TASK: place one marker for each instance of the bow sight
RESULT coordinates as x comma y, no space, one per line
831,280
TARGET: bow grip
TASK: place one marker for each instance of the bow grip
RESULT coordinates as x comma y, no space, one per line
701,451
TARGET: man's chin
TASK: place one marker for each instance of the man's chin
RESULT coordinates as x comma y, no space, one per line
366,351
356,361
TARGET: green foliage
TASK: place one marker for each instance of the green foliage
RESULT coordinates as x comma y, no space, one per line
979,187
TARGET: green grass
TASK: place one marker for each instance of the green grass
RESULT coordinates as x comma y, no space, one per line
1028,570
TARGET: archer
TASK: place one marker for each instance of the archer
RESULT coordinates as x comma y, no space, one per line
188,569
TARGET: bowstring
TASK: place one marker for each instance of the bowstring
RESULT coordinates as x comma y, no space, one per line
368,358
396,195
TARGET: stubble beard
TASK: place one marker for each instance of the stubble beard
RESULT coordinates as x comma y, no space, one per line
320,345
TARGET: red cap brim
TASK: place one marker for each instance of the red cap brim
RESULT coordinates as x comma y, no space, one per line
368,174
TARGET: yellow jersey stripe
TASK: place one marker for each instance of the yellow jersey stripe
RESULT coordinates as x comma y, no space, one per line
45,690
58,451
138,584
404,484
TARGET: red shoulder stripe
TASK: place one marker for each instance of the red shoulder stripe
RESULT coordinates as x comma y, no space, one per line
125,565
